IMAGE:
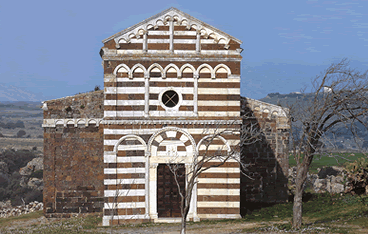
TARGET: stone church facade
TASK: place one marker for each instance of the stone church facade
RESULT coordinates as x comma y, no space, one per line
169,83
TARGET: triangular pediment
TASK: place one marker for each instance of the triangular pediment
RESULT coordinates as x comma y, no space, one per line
179,18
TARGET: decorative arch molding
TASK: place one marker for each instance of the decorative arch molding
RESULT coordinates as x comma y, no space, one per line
165,129
222,66
179,18
130,74
207,66
210,136
152,162
190,66
120,66
171,65
154,66
127,137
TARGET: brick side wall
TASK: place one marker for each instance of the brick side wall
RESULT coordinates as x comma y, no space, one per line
73,174
269,159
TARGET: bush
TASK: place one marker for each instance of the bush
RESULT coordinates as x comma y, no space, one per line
37,174
11,125
21,133
357,176
16,159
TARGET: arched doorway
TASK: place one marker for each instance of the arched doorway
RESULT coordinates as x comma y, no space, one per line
169,146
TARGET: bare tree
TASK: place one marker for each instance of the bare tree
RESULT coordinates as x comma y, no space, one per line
338,98
206,158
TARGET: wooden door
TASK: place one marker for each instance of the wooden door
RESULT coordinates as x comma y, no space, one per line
168,197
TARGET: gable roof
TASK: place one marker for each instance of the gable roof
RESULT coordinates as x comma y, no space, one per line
184,19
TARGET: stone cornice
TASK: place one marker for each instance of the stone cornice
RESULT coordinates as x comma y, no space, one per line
173,122
51,123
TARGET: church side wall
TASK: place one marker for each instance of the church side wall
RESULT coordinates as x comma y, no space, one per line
268,157
73,155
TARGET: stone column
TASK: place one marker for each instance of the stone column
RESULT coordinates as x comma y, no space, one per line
198,42
195,95
145,41
146,95
153,191
171,32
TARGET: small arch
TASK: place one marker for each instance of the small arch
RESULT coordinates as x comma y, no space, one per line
122,41
92,121
213,36
152,69
222,41
219,71
169,68
59,122
189,66
184,22
205,65
141,31
138,65
81,121
123,66
126,137
149,26
160,22
214,137
274,114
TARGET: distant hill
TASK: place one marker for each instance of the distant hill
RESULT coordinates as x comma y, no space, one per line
11,93
342,138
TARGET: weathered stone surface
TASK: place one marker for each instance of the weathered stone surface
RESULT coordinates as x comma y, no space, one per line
35,183
6,210
35,164
73,170
330,179
85,105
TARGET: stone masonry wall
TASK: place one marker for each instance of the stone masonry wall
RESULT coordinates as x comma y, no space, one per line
268,157
85,105
73,158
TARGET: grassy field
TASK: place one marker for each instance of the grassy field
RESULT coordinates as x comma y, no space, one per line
322,213
337,160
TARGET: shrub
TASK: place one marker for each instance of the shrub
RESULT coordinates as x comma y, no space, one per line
21,133
97,87
357,176
37,174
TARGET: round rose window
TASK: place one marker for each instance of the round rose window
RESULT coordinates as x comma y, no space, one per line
170,98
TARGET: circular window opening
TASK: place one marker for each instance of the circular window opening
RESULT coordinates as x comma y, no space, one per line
170,98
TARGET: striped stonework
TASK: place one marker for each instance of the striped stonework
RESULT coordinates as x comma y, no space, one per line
170,82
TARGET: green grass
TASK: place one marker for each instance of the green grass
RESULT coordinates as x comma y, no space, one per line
322,213
34,215
335,213
325,161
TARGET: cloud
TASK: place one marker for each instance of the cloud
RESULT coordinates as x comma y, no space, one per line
360,25
294,35
312,49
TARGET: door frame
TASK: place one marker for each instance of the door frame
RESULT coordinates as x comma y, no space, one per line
153,160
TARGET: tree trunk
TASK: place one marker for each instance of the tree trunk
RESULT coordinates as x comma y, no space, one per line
183,225
298,203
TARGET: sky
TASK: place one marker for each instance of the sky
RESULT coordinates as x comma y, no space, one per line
50,49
